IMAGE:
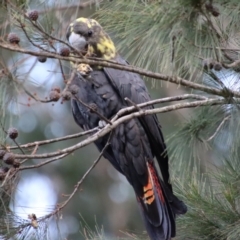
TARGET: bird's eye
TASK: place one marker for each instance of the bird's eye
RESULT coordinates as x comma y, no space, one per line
90,33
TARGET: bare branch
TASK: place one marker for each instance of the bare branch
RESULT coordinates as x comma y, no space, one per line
112,64
108,127
39,143
44,163
76,188
218,128
132,103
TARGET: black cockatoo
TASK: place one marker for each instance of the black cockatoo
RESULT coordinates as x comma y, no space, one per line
137,148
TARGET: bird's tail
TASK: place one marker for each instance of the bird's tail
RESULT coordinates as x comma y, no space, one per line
159,207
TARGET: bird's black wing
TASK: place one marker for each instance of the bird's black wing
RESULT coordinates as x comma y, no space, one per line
131,85
87,120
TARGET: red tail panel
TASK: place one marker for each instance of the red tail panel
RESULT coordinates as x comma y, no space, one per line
155,181
157,213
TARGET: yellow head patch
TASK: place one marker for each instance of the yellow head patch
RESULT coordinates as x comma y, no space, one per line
99,43
89,22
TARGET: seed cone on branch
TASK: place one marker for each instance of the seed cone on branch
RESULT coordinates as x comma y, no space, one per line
66,95
16,164
33,15
42,59
9,158
54,96
2,153
13,38
215,12
217,66
208,63
64,51
13,133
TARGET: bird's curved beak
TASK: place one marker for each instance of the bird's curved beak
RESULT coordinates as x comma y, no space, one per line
78,42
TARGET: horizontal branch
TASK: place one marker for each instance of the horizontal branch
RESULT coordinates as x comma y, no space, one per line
112,64
162,100
39,143
125,110
115,123
77,186
43,163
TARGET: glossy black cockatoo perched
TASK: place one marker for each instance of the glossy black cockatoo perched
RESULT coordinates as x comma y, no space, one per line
137,147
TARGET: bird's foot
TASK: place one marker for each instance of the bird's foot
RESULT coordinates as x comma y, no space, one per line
102,124
84,69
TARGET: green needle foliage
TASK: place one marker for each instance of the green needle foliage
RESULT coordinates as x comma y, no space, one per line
213,201
8,95
172,36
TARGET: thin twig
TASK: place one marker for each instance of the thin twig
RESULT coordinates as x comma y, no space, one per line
44,163
76,188
21,12
158,101
12,173
133,103
69,81
53,38
29,39
8,176
60,64
3,128
218,34
92,110
18,146
39,143
35,97
218,128
33,152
